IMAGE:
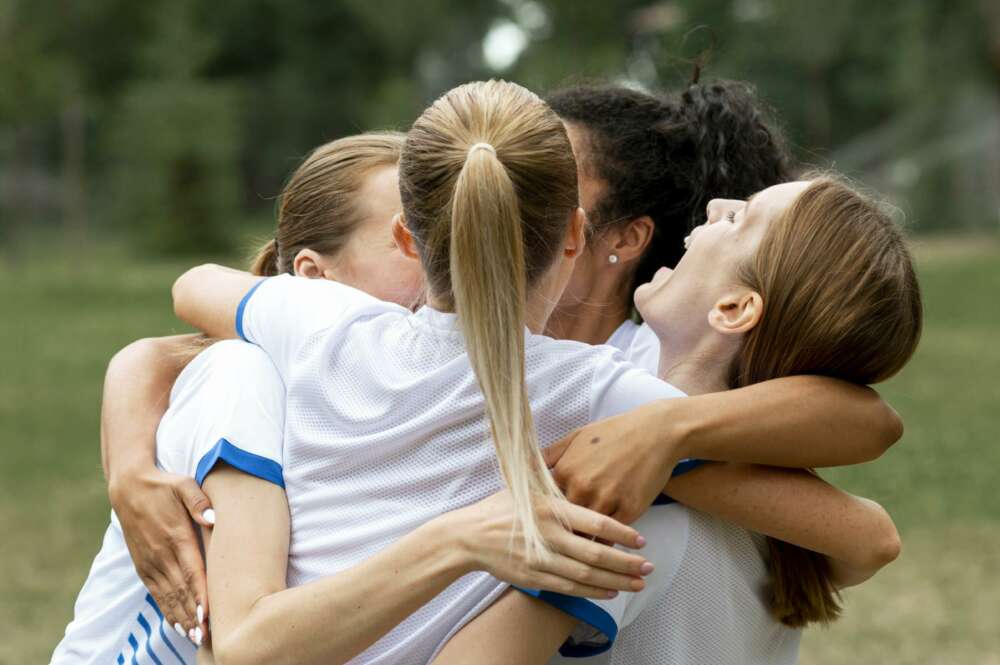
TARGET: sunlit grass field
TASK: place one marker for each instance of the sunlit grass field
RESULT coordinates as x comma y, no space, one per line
66,313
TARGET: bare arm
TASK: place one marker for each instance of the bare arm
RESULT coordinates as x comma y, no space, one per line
857,535
207,297
154,508
255,619
798,421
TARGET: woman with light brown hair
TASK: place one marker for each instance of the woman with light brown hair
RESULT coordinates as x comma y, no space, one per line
808,277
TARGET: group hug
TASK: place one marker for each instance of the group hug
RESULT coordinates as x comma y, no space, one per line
541,379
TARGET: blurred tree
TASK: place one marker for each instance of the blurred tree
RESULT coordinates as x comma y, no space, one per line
174,141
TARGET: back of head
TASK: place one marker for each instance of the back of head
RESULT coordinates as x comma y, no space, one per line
666,157
488,185
841,299
319,206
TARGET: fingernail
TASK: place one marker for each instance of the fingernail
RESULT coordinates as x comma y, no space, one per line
209,516
180,630
191,635
201,614
612,594
640,542
198,635
646,568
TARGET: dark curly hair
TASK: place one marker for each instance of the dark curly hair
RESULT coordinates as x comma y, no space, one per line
667,156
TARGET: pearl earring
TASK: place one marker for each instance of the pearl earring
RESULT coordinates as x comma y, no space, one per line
613,258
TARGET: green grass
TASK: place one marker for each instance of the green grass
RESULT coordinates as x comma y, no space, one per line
68,313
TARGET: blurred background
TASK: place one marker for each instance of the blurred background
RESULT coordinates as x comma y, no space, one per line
136,138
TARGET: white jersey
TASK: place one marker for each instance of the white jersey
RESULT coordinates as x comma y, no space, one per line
385,429
710,607
638,343
228,405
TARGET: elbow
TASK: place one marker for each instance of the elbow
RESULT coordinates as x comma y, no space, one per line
184,291
885,543
886,430
235,652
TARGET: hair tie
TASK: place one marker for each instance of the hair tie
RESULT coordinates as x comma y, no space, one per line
483,146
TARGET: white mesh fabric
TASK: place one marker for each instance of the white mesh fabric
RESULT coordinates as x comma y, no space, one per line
385,429
714,612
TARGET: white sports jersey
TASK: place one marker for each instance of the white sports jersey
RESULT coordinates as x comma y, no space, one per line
385,429
229,405
713,609
638,343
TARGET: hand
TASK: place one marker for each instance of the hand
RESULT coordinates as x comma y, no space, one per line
155,509
577,566
617,466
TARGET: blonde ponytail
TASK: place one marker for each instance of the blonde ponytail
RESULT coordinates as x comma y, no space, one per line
487,251
488,183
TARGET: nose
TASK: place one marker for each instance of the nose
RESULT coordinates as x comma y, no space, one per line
717,208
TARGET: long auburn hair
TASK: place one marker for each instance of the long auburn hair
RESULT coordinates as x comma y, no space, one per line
488,185
841,299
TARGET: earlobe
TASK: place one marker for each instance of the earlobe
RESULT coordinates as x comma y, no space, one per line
736,314
403,238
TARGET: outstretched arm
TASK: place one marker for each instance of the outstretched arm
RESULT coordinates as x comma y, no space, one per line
255,619
857,535
154,508
798,421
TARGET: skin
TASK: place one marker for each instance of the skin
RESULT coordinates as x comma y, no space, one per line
701,311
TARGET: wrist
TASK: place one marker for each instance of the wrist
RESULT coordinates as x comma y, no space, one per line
447,541
124,478
676,423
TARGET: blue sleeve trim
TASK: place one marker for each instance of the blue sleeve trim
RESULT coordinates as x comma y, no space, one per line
586,611
247,462
682,467
241,308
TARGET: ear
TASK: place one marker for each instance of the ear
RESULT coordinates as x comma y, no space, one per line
310,263
403,238
633,240
576,234
736,313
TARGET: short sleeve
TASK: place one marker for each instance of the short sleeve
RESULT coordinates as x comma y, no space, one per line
666,532
619,386
227,406
279,313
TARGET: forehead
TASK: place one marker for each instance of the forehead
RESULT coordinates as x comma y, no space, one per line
776,199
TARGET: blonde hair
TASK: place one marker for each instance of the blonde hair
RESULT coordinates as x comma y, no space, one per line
488,185
319,207
841,299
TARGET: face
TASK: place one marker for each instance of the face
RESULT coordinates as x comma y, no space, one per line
371,261
683,304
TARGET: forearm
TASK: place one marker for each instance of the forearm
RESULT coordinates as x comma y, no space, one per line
856,534
333,619
207,297
799,421
136,395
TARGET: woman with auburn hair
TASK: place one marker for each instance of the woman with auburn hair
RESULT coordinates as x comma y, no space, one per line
227,409
806,277
385,423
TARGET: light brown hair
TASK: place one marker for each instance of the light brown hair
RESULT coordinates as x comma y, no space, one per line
488,221
319,207
841,299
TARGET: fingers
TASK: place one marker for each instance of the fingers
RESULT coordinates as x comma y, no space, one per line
603,557
196,501
192,569
592,523
551,582
587,575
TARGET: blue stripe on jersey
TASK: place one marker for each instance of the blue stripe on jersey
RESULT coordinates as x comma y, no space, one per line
149,638
247,462
163,634
586,611
242,308
682,467
121,659
135,648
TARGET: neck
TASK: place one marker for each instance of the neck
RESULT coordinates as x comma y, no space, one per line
593,320
702,369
